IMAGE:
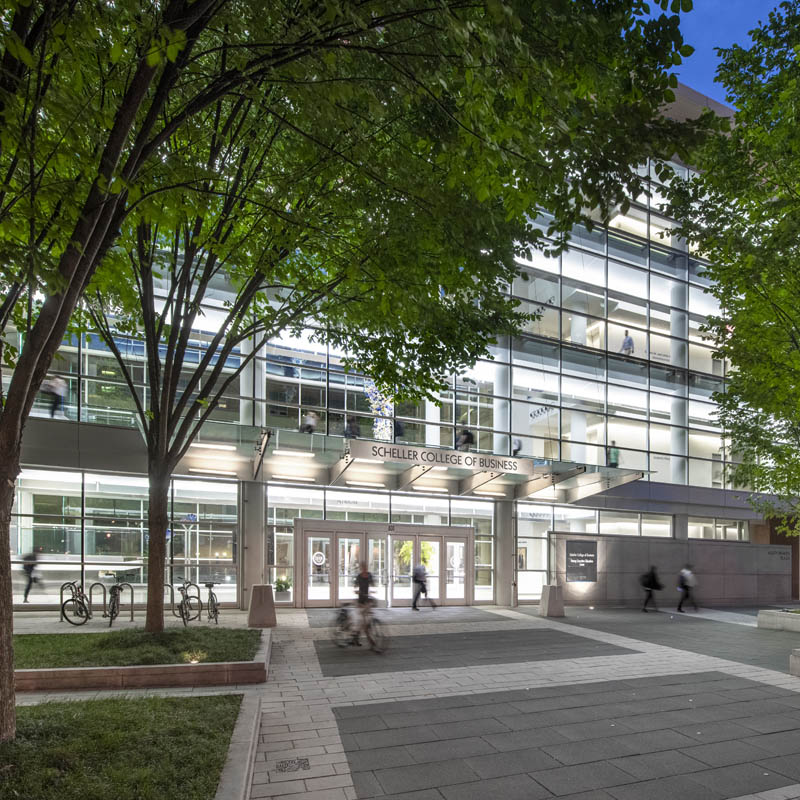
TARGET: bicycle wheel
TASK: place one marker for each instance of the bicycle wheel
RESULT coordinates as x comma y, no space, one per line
75,611
342,633
113,610
376,632
213,608
189,608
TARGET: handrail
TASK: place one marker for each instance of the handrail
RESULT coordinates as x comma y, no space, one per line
105,603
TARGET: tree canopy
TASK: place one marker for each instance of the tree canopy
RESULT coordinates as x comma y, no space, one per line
742,211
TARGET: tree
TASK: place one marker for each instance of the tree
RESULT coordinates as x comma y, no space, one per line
543,103
742,211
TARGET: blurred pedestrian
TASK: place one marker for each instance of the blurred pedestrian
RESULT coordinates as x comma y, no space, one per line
310,420
465,439
650,583
29,567
420,577
686,584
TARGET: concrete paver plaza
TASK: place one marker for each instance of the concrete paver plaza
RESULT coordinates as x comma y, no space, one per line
491,702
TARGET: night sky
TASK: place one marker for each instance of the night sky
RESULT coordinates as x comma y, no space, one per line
716,23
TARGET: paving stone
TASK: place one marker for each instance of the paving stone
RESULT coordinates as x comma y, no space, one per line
366,784
593,730
512,762
740,779
591,750
770,723
785,765
447,749
677,788
517,740
779,744
714,731
472,727
425,776
663,764
425,794
516,787
722,754
581,778
366,760
389,738
653,741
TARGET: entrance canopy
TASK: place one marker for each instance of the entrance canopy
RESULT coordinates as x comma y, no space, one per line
366,464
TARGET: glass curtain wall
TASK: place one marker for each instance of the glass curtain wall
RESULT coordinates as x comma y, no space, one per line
92,528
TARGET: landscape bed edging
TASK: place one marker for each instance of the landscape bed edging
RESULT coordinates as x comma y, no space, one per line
223,673
778,620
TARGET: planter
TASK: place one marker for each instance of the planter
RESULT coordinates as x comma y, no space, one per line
226,673
283,597
779,621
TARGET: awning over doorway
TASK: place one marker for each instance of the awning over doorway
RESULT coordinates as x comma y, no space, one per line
361,463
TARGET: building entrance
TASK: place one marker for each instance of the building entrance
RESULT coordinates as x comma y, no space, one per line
332,551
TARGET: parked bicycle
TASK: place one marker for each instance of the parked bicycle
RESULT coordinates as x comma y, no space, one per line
190,606
351,621
115,594
212,605
76,609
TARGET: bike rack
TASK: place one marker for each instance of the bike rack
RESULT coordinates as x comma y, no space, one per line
199,598
61,599
105,604
172,598
120,597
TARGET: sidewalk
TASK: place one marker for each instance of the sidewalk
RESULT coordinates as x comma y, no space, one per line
514,706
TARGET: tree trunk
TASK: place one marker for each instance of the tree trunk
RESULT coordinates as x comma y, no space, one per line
157,524
8,717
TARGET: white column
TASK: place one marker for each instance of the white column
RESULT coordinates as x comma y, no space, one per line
433,413
502,408
505,552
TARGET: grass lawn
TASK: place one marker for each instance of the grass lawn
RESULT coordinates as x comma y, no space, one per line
149,749
126,648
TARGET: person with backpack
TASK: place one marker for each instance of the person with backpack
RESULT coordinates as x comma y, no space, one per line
650,583
465,439
686,584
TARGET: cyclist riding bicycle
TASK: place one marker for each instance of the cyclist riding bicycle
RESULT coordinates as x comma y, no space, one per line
363,582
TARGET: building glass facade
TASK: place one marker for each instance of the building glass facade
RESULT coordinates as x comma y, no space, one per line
614,371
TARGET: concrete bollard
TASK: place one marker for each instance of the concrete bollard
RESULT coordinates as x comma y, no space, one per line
552,602
794,662
262,607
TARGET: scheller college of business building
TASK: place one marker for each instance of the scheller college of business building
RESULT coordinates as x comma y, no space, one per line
617,460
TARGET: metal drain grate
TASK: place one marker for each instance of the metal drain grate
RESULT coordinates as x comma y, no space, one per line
292,765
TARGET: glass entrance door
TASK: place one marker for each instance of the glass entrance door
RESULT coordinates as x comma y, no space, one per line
318,571
455,571
402,567
348,564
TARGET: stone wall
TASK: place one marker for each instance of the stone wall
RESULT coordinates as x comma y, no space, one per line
728,573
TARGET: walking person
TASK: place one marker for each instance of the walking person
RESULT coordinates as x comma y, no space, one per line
516,446
29,566
686,584
650,583
613,455
420,577
56,389
364,582
351,428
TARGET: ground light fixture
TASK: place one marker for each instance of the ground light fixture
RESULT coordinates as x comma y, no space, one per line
294,453
213,446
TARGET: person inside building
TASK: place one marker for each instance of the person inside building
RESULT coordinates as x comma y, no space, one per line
627,345
464,440
516,446
351,428
310,420
613,455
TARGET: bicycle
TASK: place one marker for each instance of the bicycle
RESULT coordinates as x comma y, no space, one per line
76,609
190,607
115,593
347,631
212,605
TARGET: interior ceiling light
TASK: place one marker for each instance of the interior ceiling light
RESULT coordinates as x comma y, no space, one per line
429,489
439,469
303,478
293,453
487,492
213,471
366,483
213,446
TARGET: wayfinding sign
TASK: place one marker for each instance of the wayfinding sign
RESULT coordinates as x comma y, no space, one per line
581,561
433,457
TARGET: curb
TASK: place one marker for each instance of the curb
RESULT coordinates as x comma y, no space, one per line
229,673
234,782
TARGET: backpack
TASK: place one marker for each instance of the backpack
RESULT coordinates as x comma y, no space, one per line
644,580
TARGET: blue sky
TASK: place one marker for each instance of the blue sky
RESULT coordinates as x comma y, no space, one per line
716,23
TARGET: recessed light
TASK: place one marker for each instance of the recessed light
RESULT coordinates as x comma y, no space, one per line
213,471
294,453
